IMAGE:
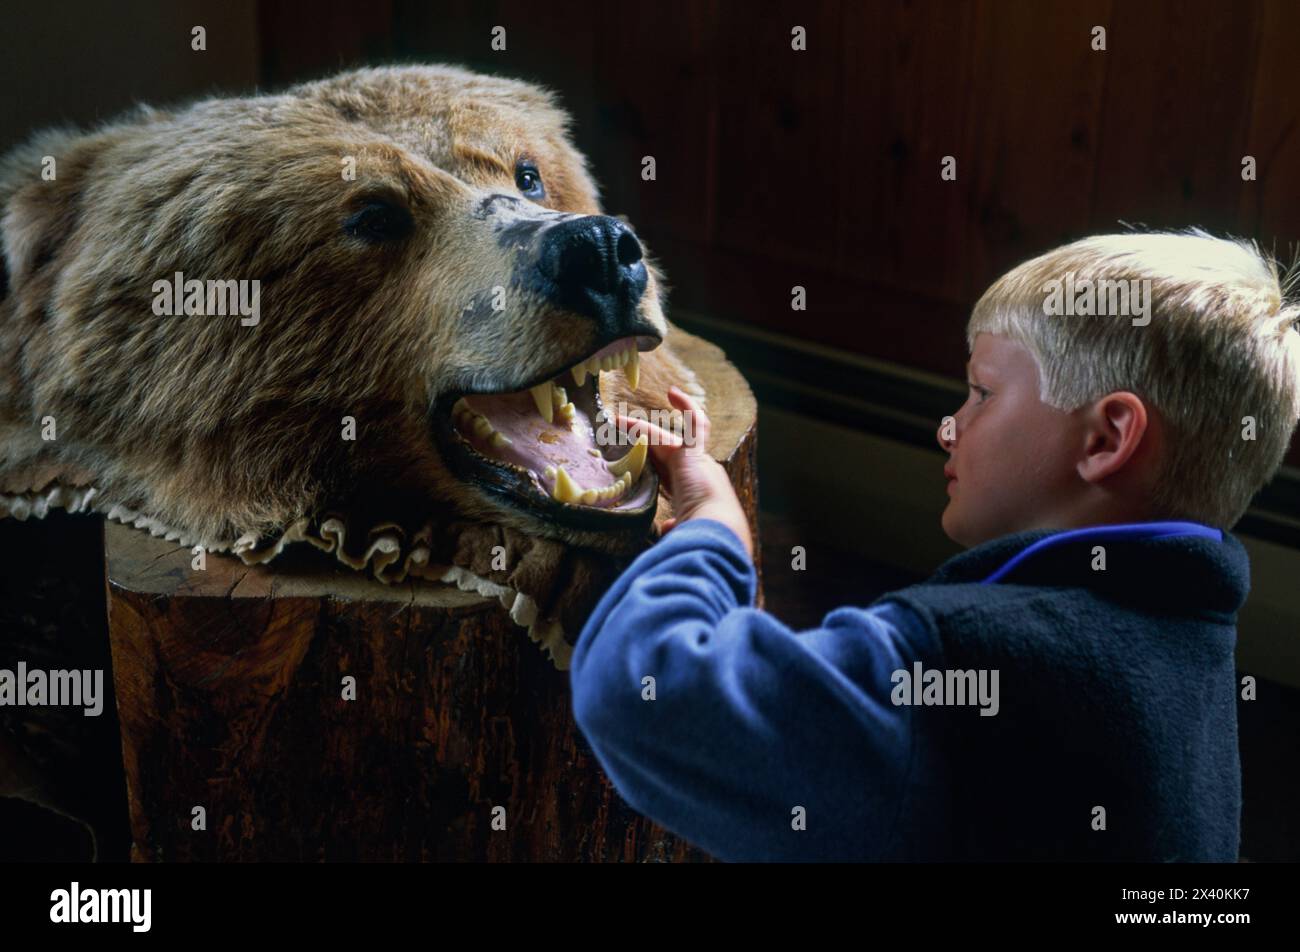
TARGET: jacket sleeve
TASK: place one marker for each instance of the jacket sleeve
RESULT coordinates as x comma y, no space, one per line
723,725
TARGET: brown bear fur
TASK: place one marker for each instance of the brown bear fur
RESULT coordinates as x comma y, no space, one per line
219,431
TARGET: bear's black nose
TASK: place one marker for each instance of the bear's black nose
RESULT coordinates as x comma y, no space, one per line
594,267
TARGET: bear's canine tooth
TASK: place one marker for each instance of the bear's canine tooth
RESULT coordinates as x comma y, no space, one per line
500,439
565,489
459,407
545,403
633,461
632,369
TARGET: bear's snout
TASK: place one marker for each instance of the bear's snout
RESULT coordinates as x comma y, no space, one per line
593,265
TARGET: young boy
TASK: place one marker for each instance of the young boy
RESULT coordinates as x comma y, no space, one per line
1065,688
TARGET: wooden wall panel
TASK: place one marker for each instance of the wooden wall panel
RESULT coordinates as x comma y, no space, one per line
907,79
781,172
1030,141
1175,114
655,91
298,43
1269,207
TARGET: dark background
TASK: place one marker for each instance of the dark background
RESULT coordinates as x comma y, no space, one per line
778,168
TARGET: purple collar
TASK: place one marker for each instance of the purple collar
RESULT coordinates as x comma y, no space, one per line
1132,530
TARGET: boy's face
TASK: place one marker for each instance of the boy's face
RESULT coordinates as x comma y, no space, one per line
1013,456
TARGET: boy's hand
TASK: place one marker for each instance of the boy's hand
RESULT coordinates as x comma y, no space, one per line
696,482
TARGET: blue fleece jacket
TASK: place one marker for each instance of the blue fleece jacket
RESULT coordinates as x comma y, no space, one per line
757,742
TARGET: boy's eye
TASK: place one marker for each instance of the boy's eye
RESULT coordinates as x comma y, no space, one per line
980,390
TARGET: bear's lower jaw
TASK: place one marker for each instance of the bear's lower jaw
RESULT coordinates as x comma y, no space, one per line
551,449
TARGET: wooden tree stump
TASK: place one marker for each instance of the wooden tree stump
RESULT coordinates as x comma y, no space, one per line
229,694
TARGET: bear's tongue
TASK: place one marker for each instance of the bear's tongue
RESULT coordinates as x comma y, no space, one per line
510,427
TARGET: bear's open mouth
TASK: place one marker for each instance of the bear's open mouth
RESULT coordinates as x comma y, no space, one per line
551,445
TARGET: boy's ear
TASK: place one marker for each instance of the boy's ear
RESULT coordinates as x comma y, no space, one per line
1115,427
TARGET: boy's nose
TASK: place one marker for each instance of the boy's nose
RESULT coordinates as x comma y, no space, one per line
944,424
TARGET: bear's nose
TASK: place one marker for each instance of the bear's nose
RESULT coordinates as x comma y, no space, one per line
594,264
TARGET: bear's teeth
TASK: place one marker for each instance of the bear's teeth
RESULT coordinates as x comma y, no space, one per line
470,420
633,461
632,369
627,358
567,489
545,402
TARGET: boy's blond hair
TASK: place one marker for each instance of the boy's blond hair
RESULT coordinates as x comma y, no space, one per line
1220,347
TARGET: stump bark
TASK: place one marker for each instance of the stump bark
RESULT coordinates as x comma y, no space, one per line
229,689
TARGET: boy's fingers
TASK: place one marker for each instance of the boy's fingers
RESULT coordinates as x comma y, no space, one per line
662,443
683,401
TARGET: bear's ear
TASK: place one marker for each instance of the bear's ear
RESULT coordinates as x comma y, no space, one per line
37,220
39,214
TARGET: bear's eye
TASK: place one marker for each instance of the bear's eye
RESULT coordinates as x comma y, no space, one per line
378,222
529,181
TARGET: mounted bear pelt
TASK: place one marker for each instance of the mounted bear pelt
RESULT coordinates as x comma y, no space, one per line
380,313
